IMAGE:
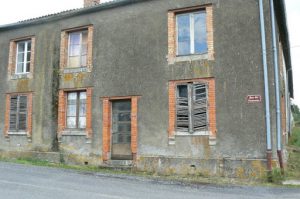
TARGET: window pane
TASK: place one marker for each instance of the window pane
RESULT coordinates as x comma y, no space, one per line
21,57
27,67
20,67
71,111
28,56
74,62
82,122
21,47
74,38
82,109
183,34
84,49
200,32
29,46
74,50
71,122
83,60
84,37
182,91
72,96
82,95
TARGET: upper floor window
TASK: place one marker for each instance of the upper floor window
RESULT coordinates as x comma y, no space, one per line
23,56
77,53
191,33
76,49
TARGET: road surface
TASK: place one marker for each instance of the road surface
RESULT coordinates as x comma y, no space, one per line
32,182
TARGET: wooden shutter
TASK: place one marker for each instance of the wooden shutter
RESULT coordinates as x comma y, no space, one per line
182,108
22,119
13,113
200,122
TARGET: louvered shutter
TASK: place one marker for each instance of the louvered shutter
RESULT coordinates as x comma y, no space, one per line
22,113
13,113
200,121
182,108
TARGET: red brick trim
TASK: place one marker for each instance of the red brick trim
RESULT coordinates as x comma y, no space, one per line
211,104
62,105
64,39
12,56
106,125
172,48
29,113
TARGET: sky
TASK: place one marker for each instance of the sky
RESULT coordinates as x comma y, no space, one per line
27,9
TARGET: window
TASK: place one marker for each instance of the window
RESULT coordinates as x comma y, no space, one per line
191,107
76,110
191,33
77,54
76,49
23,57
18,113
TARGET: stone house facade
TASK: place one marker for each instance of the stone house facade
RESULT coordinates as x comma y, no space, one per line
169,86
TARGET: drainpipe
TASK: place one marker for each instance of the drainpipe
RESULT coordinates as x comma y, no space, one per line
277,85
266,85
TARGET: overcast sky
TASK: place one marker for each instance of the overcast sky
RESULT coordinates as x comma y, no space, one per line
16,10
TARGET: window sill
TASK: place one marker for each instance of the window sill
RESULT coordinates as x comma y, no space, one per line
17,133
20,76
74,133
76,70
198,133
188,58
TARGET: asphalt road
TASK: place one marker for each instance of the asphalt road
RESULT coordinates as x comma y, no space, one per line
32,182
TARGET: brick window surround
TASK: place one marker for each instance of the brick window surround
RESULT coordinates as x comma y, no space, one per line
64,49
211,104
62,113
28,130
13,58
106,126
172,37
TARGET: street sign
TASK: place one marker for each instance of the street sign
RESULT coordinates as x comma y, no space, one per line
254,98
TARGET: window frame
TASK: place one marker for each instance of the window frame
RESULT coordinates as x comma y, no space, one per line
80,32
18,112
77,109
192,37
24,67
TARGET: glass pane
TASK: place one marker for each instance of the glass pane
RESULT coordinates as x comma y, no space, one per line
84,37
21,57
83,49
74,38
71,111
122,105
29,46
27,67
71,122
74,50
21,47
28,56
183,34
74,62
124,116
124,127
82,122
83,60
72,96
82,109
182,91
82,95
20,67
200,32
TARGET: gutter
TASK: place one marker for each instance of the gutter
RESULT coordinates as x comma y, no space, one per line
266,85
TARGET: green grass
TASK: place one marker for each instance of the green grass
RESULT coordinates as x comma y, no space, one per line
295,137
293,171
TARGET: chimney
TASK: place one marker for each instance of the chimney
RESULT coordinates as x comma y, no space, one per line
89,3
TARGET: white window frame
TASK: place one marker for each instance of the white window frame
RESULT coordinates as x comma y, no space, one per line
80,51
192,31
25,57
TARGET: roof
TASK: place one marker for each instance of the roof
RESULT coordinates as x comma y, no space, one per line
69,13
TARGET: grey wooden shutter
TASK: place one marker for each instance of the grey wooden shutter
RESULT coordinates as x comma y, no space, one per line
13,113
182,108
22,119
200,121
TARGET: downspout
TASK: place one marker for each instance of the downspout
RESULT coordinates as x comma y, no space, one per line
266,85
277,85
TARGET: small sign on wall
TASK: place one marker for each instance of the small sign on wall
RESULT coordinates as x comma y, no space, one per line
254,98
